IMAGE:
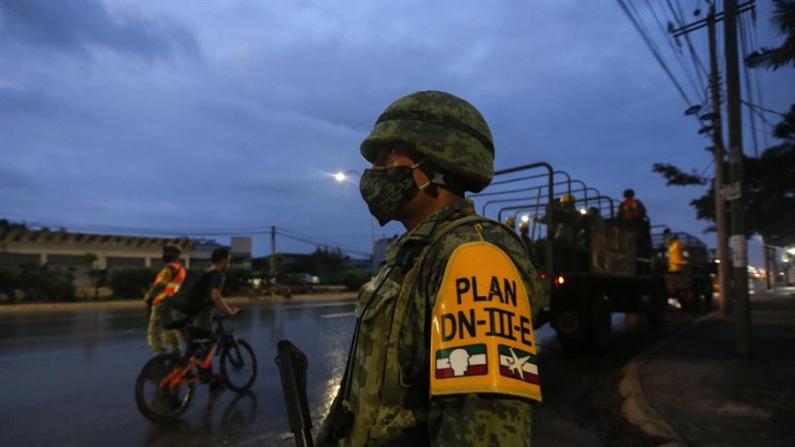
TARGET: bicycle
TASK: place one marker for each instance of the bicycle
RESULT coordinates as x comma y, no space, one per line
164,388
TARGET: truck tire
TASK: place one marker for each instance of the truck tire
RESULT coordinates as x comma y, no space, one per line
708,291
568,324
587,328
601,324
657,308
656,314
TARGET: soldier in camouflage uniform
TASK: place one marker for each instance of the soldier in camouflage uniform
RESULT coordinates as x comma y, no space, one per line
402,387
166,284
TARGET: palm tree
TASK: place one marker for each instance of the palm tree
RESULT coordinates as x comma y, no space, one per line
785,130
783,55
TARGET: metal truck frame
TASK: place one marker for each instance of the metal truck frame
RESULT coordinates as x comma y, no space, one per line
591,263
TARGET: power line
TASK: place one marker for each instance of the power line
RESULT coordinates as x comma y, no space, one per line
761,116
677,52
98,227
139,231
294,234
320,244
753,38
650,44
704,171
693,54
758,107
744,44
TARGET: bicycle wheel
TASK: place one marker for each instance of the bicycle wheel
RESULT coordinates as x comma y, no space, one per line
238,364
159,404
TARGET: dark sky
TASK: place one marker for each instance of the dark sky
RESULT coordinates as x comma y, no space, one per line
229,117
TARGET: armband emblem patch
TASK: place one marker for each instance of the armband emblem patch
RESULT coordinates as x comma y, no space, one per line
482,337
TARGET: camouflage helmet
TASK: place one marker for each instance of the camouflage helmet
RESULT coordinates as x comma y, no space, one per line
445,129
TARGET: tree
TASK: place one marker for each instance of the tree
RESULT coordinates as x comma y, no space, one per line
329,260
98,277
783,55
676,176
769,188
276,264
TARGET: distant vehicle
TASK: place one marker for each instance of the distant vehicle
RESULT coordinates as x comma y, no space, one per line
692,287
310,279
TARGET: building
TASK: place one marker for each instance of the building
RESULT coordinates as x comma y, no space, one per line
240,250
84,252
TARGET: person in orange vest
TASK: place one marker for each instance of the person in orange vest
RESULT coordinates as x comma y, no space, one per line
166,284
676,256
631,208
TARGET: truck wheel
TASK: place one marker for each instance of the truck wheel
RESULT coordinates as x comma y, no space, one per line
704,298
708,297
601,322
688,300
568,326
657,309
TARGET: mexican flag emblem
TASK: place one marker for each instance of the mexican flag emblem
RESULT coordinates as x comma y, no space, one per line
461,362
518,364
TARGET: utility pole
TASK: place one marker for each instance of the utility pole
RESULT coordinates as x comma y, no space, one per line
733,192
273,240
717,153
271,269
742,312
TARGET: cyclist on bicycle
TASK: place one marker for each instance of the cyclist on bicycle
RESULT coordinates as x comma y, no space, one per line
215,282
210,285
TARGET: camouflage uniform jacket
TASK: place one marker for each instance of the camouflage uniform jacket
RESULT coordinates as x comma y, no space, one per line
389,388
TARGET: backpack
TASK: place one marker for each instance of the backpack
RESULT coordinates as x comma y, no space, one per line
194,293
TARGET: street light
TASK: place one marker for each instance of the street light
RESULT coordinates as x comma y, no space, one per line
343,176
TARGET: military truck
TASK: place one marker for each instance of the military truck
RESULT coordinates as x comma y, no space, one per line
591,263
691,287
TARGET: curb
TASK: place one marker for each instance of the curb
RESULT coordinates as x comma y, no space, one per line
635,407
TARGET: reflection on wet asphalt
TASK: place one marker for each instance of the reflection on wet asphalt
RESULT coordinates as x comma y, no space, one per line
67,378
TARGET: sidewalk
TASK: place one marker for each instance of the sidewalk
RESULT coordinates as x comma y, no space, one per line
700,393
138,304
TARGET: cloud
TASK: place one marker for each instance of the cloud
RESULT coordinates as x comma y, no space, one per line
80,27
15,101
12,180
283,93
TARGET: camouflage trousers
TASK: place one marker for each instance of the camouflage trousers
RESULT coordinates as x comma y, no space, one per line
158,337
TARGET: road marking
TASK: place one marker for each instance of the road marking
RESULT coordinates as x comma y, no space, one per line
299,305
68,353
339,315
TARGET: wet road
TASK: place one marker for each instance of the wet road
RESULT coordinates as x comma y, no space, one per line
67,378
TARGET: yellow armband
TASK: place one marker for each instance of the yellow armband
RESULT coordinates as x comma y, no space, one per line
482,337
